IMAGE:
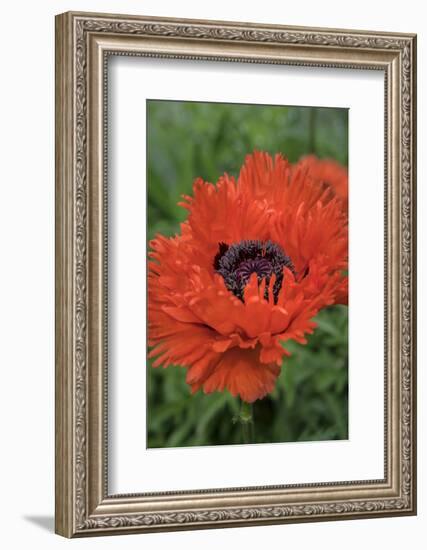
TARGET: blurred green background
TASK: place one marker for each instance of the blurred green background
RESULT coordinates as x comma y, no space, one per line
186,140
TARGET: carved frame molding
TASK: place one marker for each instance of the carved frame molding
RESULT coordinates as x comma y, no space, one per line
83,44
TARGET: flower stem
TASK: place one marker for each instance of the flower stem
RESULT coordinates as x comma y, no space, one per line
246,420
312,130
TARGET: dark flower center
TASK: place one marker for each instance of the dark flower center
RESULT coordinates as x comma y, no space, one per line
237,262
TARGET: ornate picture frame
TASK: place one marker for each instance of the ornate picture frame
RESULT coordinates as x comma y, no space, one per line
84,42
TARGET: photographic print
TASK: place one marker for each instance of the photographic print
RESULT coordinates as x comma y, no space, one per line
247,274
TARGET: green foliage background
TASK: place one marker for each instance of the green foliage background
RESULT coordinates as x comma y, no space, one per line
187,140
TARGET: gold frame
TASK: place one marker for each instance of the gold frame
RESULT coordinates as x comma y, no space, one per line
83,43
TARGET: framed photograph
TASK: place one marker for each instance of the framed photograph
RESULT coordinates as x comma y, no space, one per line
235,274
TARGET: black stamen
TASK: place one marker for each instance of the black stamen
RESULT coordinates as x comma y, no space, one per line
222,250
237,262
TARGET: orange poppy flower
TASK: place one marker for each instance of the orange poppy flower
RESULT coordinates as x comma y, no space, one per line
330,173
253,264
